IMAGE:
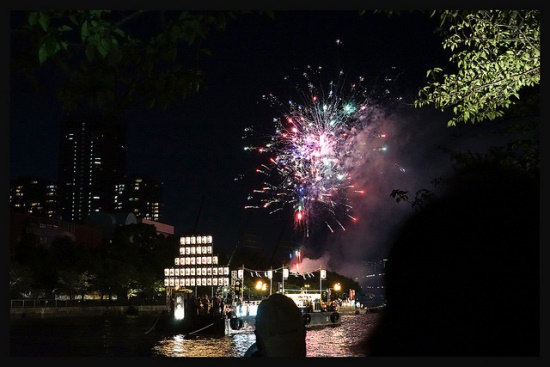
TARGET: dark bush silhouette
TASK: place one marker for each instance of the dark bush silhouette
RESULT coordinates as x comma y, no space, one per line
462,278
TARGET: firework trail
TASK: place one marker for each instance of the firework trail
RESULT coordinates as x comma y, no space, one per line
314,152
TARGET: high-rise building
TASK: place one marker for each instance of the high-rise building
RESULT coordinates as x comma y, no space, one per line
91,163
35,196
140,195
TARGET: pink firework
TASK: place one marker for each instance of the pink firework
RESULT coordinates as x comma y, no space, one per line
311,153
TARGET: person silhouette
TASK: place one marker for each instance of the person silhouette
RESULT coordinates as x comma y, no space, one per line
462,277
279,329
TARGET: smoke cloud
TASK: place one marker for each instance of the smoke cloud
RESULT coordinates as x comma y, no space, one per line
398,149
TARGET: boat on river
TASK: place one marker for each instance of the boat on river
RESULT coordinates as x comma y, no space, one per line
197,267
238,319
314,315
245,324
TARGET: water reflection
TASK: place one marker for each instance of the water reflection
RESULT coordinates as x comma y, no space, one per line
198,346
134,337
337,341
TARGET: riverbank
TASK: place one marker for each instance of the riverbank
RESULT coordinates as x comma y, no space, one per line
21,312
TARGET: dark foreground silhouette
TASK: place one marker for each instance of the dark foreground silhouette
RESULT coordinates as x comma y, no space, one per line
280,329
462,278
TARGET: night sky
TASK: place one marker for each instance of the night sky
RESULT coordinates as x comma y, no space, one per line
196,148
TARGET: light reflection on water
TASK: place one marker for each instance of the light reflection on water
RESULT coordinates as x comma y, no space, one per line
135,337
228,346
337,341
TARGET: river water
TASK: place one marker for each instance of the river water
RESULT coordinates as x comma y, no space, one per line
133,336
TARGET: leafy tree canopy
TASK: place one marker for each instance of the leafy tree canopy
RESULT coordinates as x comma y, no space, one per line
497,55
116,59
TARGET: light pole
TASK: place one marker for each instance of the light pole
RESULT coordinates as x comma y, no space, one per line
270,276
283,279
240,276
285,275
322,275
242,286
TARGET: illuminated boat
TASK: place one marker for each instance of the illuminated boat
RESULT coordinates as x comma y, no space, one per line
243,320
197,267
239,319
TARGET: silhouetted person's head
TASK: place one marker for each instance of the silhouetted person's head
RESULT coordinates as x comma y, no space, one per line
280,330
462,278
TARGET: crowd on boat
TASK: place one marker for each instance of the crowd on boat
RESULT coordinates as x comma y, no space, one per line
218,306
202,305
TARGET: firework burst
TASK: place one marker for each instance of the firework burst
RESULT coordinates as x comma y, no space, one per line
313,153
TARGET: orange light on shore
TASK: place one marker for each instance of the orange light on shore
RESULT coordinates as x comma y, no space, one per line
261,286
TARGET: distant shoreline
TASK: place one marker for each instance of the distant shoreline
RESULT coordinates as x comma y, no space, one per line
22,312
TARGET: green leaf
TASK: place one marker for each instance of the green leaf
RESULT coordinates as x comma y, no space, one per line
84,31
103,47
32,19
44,21
42,54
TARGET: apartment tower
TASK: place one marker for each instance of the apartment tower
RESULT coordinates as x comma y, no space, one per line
91,163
